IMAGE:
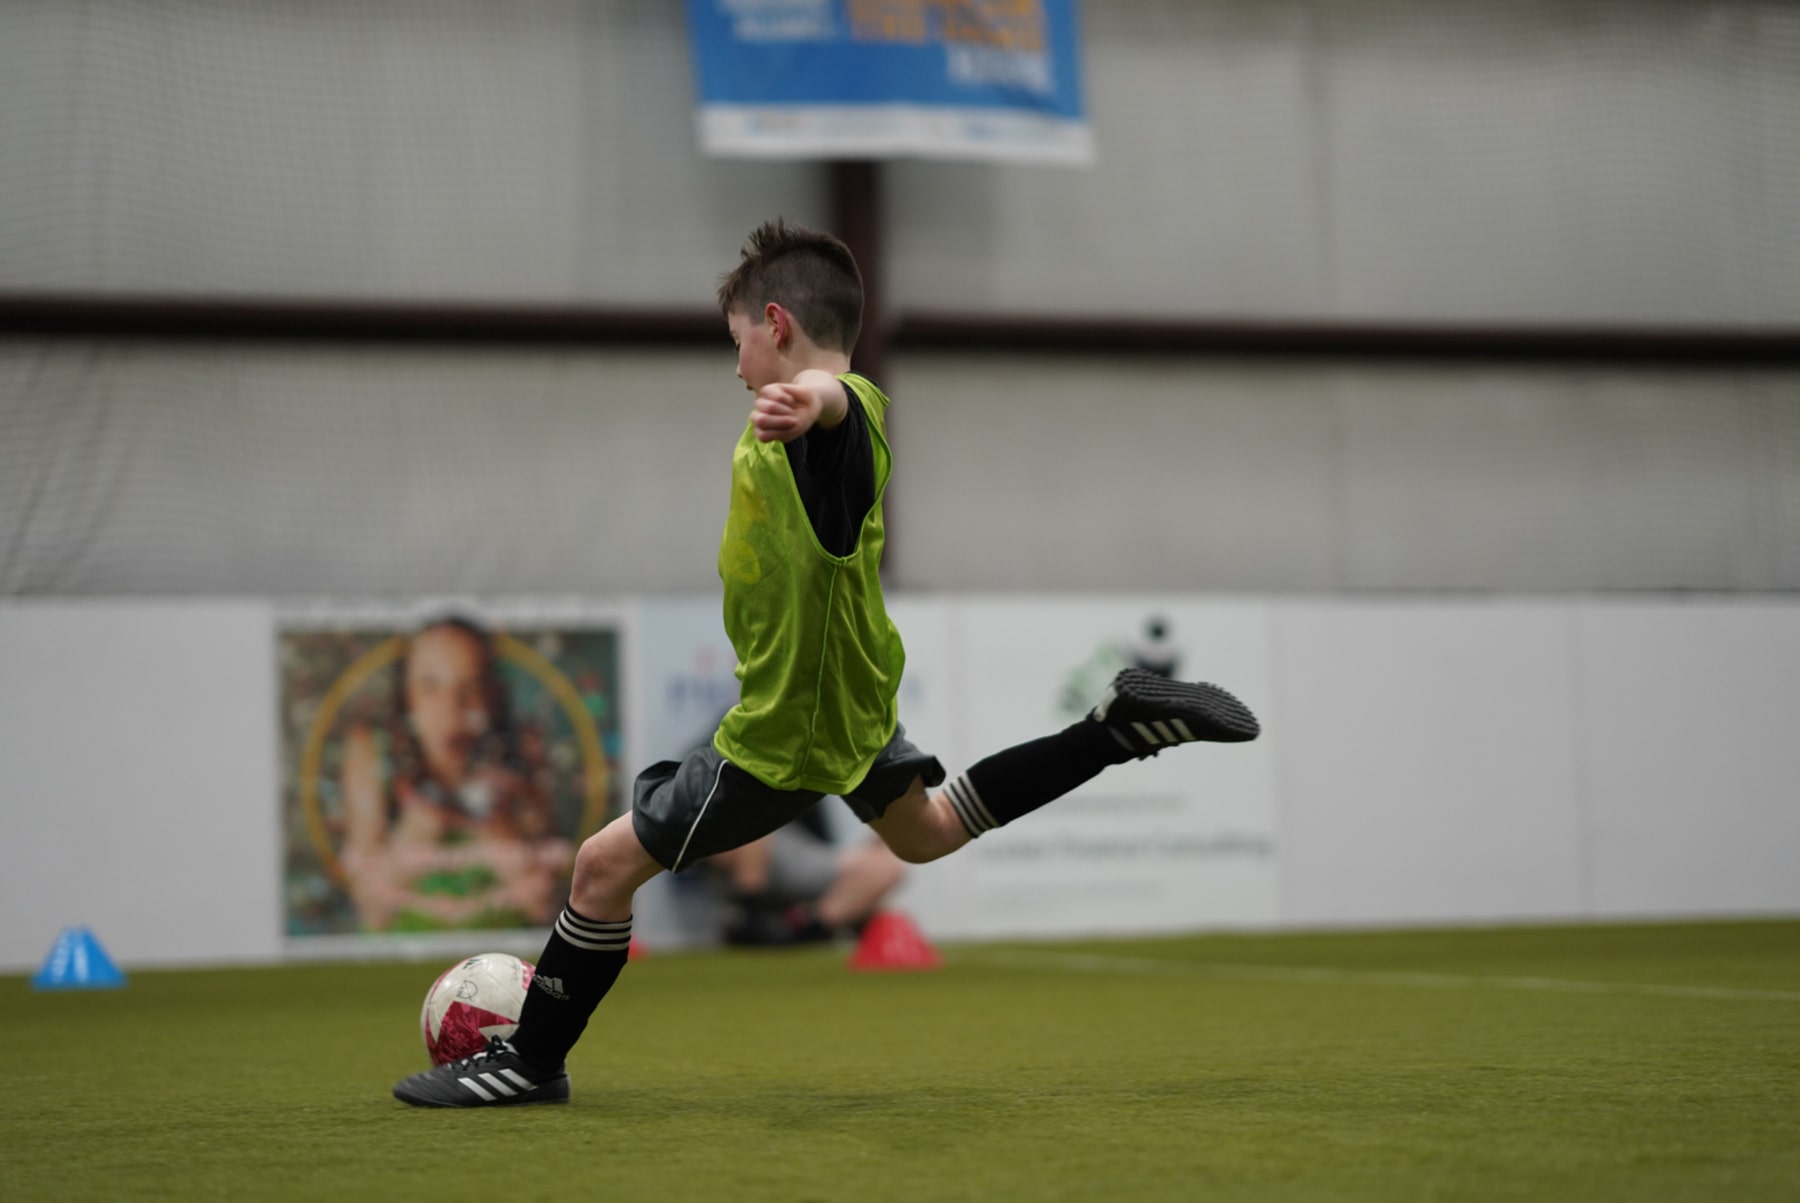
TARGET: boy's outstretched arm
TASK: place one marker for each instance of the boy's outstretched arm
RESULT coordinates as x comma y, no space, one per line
784,412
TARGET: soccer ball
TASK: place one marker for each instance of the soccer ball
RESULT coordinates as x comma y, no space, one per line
472,1000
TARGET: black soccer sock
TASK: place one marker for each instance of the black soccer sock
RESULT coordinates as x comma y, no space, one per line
579,965
1000,788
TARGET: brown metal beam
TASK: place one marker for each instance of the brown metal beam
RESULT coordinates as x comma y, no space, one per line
1103,335
267,319
253,319
856,218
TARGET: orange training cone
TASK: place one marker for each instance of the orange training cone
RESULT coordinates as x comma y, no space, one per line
893,941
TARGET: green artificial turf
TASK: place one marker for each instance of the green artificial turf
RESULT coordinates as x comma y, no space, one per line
1578,1063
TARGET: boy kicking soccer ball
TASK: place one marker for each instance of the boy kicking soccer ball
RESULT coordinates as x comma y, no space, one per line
819,665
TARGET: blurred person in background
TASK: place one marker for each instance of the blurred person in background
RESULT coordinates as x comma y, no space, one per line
797,886
447,825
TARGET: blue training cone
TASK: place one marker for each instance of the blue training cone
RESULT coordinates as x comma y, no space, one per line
77,962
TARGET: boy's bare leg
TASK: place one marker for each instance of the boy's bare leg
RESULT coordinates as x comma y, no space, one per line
921,826
1141,714
609,868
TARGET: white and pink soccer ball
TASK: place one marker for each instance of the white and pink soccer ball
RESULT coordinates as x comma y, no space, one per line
472,1000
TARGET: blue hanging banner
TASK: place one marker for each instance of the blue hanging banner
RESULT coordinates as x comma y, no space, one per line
77,962
956,79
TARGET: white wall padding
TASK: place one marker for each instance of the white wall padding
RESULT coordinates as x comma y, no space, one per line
139,797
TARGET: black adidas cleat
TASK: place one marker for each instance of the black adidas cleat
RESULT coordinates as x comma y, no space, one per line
1149,712
494,1077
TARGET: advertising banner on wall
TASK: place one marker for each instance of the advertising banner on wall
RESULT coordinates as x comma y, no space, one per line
440,764
1183,841
960,79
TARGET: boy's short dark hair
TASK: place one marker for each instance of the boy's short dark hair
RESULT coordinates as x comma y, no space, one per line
811,275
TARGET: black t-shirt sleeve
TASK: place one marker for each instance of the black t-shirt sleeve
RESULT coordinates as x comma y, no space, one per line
835,472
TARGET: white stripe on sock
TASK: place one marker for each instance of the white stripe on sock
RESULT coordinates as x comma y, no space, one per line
962,813
595,929
975,800
611,943
968,808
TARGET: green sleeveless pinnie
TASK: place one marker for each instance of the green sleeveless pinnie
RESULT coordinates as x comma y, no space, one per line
818,659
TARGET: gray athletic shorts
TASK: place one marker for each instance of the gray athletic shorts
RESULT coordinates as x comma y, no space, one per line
687,810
